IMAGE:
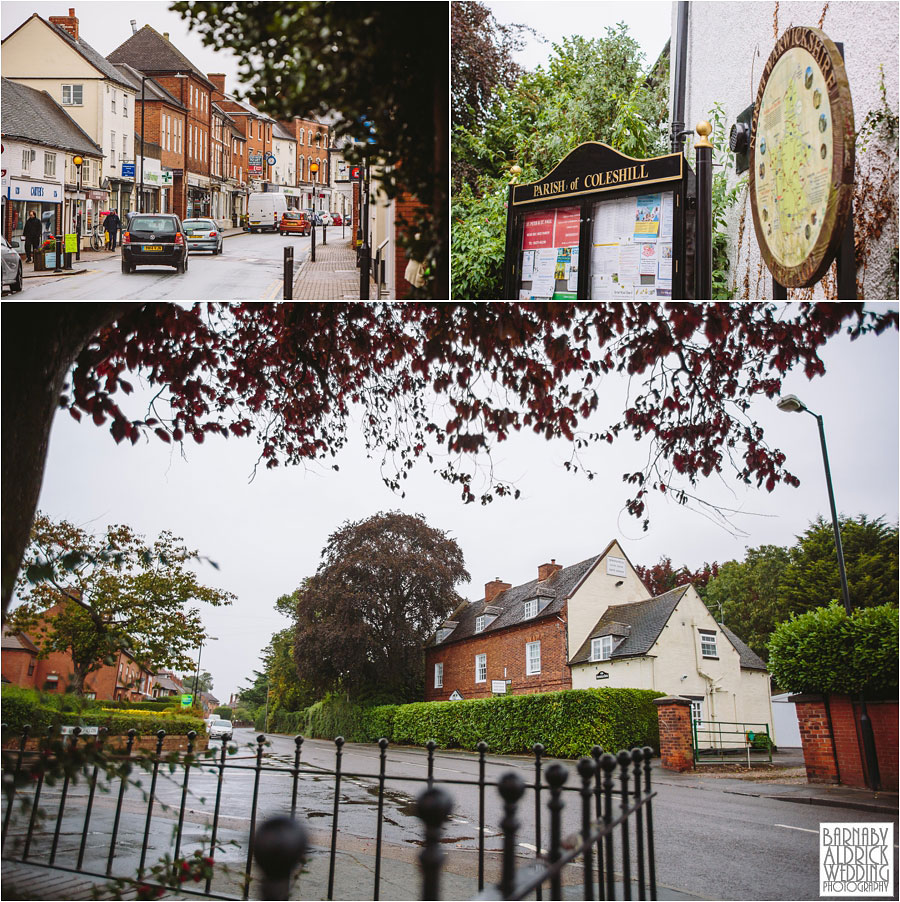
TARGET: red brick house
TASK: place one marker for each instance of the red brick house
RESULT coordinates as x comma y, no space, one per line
125,678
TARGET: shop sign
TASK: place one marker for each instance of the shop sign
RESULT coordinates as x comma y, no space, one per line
342,172
255,159
801,157
166,178
127,170
71,245
35,191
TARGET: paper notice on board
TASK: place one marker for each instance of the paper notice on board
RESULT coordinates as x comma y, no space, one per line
666,214
605,259
524,294
629,262
545,261
644,291
626,211
622,292
542,286
664,268
604,230
572,283
601,287
648,258
646,219
527,266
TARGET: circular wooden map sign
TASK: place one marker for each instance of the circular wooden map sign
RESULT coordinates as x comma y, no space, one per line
801,157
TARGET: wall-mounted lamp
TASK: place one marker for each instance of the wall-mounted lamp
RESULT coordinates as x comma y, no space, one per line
620,582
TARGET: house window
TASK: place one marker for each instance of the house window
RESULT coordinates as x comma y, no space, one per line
480,622
27,156
50,165
112,148
480,668
708,644
601,648
113,101
125,105
72,95
124,147
439,676
531,608
90,694
532,657
31,667
52,682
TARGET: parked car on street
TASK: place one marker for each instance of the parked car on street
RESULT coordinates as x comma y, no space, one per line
294,222
204,235
154,238
265,209
11,267
221,729
336,219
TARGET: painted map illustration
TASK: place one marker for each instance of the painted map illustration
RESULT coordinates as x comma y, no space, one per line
793,157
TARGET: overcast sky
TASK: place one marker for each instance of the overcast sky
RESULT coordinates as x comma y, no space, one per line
105,24
649,23
268,534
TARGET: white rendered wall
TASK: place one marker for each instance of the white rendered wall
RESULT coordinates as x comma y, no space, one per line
728,45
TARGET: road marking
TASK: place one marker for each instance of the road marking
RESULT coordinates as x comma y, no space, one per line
789,827
272,291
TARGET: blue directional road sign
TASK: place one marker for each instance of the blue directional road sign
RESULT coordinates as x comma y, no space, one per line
270,159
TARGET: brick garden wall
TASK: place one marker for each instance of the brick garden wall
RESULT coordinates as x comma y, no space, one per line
676,738
819,751
505,652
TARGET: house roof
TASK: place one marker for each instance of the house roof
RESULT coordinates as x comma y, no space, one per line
556,588
279,131
149,51
646,619
17,642
208,697
34,116
166,682
82,47
750,660
153,90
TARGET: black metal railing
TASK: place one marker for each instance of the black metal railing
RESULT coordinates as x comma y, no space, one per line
610,851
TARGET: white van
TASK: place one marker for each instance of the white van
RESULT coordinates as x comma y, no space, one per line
264,210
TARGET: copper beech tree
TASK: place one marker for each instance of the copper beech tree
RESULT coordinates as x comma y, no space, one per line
441,381
383,587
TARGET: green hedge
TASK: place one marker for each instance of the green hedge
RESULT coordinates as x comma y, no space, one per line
157,705
825,650
568,724
22,706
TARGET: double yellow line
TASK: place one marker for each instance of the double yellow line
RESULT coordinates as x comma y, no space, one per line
272,291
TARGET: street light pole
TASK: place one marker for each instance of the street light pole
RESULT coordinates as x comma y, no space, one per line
266,730
78,162
792,404
141,199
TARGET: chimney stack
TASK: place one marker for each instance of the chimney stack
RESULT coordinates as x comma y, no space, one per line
69,22
545,571
218,79
166,35
494,588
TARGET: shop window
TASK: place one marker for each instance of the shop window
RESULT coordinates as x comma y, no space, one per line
72,95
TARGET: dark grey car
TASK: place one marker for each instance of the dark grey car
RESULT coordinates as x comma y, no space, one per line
204,235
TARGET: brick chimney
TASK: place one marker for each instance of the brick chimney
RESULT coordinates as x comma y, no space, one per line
69,22
494,588
218,79
545,571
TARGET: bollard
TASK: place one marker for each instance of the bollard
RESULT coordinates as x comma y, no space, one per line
433,808
288,273
312,247
324,233
59,246
364,272
281,845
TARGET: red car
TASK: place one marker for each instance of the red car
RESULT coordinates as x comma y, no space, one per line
293,222
336,219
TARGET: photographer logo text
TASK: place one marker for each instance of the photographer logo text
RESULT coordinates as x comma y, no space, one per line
856,859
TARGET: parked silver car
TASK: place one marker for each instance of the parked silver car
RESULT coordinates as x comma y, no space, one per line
11,266
221,729
204,235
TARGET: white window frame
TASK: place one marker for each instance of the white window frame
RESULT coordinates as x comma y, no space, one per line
439,675
27,159
49,165
707,641
112,145
481,668
76,95
480,623
696,711
114,100
598,651
530,606
125,105
532,658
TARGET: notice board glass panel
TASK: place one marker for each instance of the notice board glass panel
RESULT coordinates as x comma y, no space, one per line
631,254
549,256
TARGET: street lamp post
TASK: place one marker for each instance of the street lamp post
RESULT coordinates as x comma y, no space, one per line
141,195
792,404
78,162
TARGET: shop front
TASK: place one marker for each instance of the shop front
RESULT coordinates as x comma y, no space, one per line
24,196
88,204
150,200
121,196
198,196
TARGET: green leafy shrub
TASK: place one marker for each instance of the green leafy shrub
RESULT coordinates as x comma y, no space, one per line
379,722
224,712
825,650
568,724
165,704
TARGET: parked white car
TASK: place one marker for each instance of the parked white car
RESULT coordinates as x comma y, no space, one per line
221,729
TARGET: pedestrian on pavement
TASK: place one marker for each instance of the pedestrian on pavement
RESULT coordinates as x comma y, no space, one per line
111,226
32,232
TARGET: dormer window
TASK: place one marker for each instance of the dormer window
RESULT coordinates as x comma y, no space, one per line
480,622
442,634
601,648
530,609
